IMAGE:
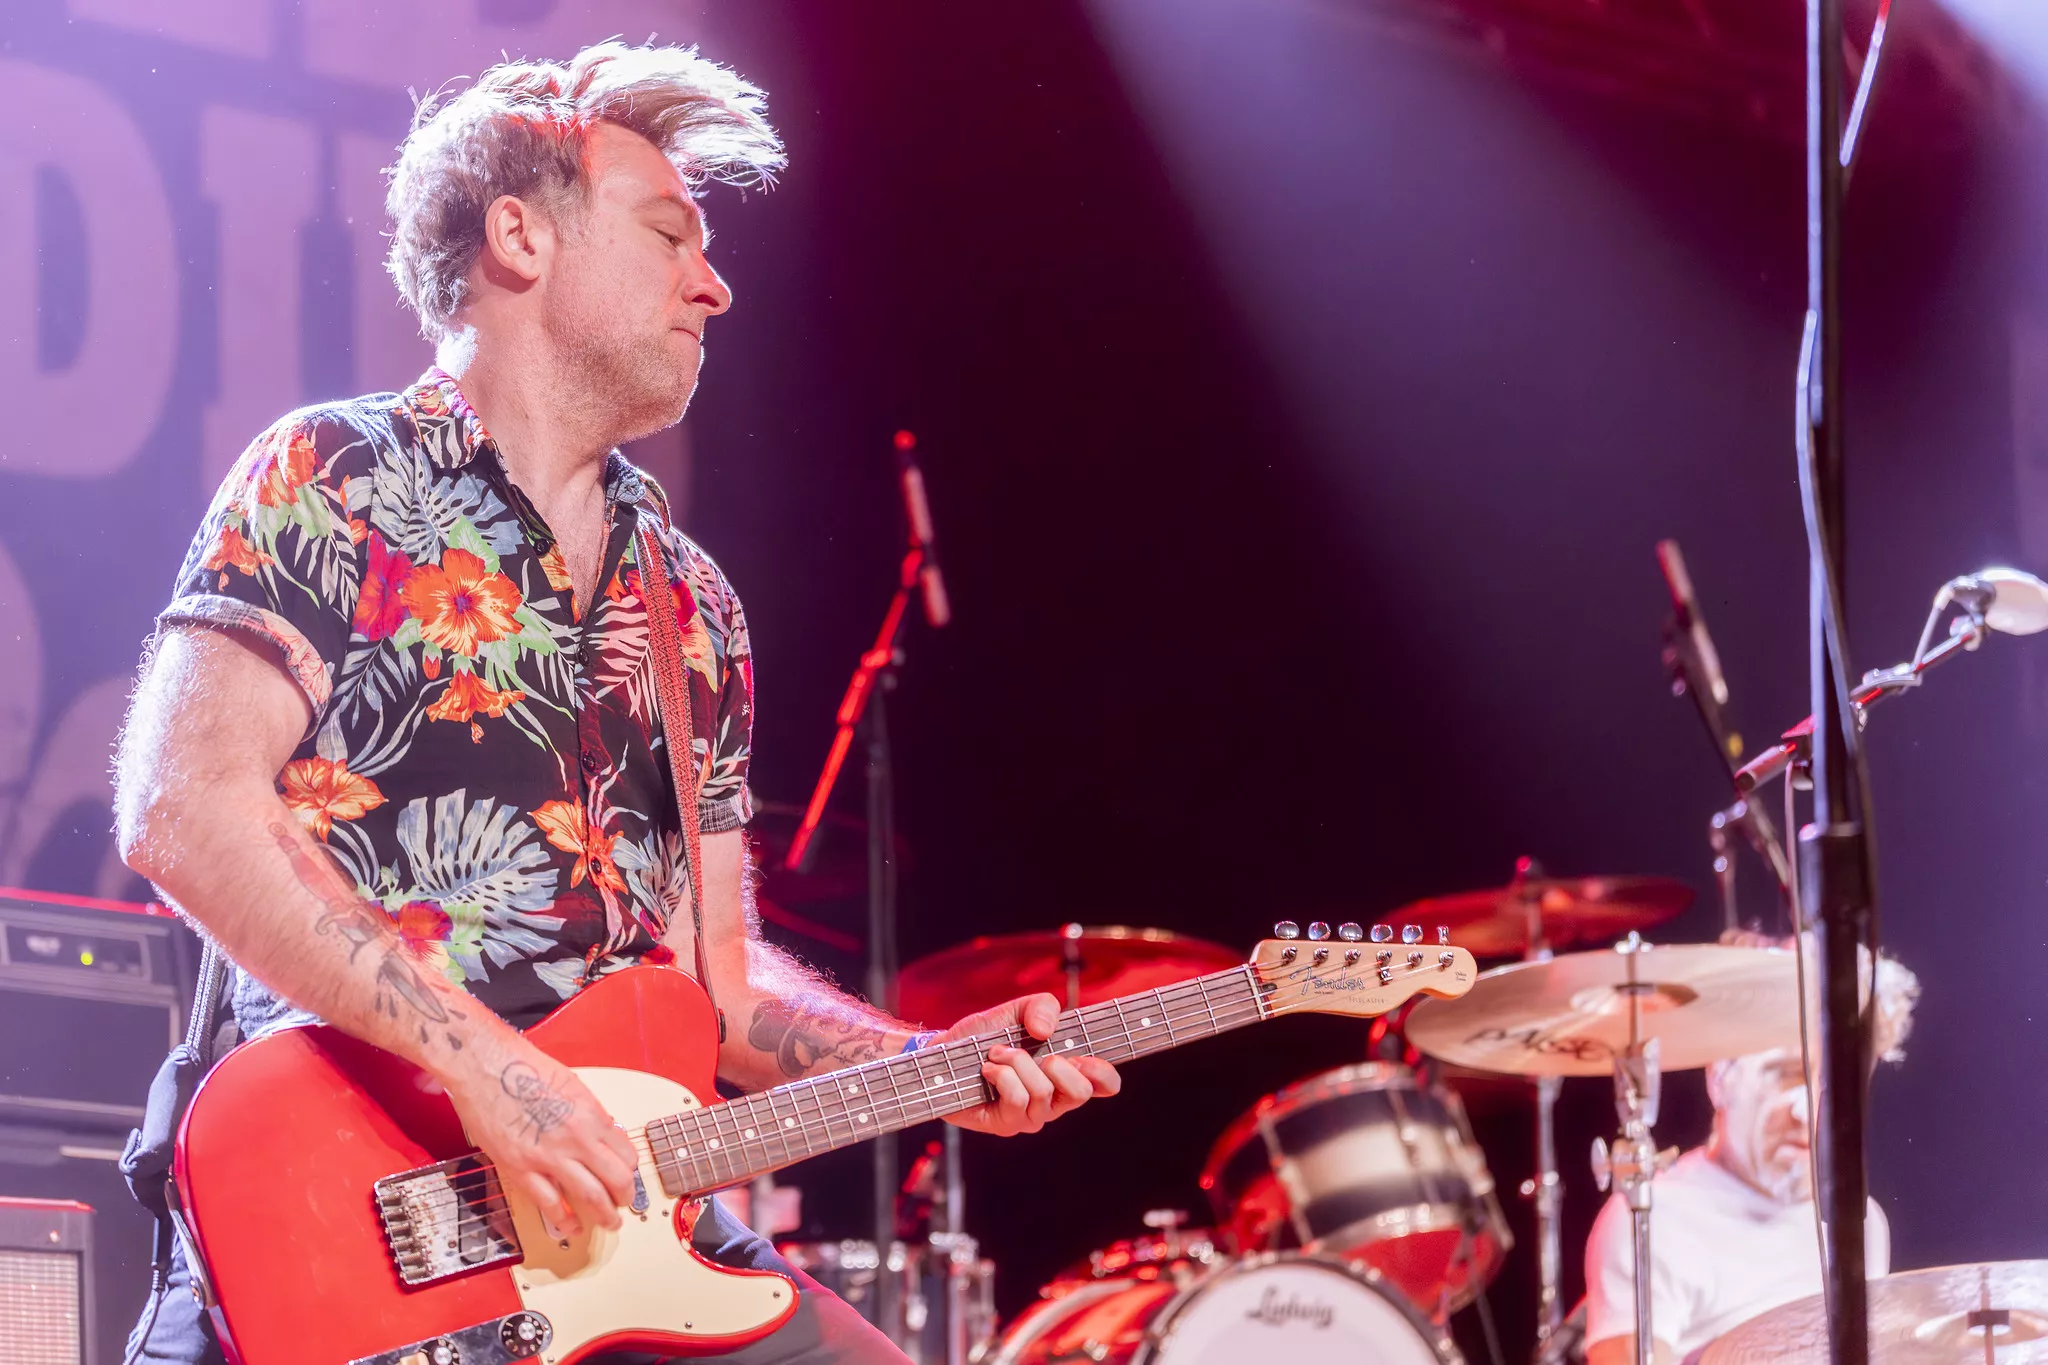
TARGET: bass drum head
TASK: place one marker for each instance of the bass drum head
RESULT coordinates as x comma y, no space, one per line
1298,1309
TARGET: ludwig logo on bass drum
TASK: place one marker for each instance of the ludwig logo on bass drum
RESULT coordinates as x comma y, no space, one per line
1277,1310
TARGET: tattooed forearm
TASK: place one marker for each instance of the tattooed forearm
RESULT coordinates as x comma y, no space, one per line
540,1108
351,919
806,1034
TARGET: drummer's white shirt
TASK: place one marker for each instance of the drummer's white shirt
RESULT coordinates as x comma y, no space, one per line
1721,1250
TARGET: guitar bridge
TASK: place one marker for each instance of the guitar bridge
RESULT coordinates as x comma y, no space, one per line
446,1219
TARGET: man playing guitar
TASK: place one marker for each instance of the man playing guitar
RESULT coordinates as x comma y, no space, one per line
396,745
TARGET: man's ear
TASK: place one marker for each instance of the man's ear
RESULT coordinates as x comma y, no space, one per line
518,238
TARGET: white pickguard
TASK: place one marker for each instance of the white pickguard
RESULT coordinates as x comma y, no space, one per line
643,1276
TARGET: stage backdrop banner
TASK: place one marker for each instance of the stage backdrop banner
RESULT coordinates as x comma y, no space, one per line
191,244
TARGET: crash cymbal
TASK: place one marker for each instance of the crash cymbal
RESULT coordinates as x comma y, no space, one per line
1103,962
1920,1317
1570,1016
1494,921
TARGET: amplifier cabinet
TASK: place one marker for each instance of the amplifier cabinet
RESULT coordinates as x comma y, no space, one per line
92,995
46,1283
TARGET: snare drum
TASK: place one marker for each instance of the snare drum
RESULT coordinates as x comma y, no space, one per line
1300,1310
924,1274
1364,1163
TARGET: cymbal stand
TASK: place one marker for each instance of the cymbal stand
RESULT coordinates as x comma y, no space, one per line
1545,1189
1632,1160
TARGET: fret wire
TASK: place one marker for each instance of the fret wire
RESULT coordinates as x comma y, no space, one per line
1124,1025
782,1128
956,1089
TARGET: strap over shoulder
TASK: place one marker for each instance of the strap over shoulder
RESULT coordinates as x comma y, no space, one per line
672,696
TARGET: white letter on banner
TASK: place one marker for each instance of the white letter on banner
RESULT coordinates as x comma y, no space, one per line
240,28
400,44
261,171
88,419
389,350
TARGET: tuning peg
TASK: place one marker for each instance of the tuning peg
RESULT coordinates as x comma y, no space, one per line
1383,933
1319,931
1443,936
1287,928
1350,932
1411,933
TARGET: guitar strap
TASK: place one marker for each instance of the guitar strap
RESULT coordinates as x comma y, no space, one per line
672,696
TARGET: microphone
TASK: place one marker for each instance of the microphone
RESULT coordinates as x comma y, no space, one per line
1690,650
918,512
2011,601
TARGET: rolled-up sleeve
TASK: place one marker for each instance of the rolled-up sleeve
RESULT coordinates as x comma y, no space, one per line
277,557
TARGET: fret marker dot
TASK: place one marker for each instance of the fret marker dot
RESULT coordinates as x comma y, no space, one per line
853,1090
1145,1022
863,1118
714,1144
1070,1044
748,1133
789,1123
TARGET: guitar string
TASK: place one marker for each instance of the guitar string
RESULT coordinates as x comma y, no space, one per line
727,1165
957,1088
723,1165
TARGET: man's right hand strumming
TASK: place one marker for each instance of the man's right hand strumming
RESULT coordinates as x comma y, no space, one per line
545,1132
214,720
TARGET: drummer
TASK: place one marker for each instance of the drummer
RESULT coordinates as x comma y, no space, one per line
1733,1226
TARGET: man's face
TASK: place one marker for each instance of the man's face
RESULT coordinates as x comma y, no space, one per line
629,289
1760,1122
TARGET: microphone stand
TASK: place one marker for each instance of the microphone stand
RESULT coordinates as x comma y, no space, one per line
1836,861
863,709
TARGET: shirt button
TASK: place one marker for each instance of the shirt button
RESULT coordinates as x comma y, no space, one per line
592,761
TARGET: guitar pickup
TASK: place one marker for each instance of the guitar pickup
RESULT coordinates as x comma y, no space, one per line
446,1219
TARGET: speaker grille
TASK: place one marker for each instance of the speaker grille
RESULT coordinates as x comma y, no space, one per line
40,1318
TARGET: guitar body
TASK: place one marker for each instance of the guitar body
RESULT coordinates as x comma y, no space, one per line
277,1169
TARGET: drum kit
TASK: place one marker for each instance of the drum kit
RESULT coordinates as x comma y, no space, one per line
1353,1210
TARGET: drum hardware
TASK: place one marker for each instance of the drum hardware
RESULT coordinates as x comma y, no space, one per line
1607,1012
945,1291
1173,1251
1633,1160
1953,1315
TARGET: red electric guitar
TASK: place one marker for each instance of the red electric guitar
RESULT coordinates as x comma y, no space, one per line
336,1215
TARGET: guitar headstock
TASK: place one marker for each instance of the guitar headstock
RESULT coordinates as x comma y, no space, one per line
1349,974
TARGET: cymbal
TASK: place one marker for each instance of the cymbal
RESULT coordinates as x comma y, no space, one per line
1570,1016
1111,961
1920,1317
1494,921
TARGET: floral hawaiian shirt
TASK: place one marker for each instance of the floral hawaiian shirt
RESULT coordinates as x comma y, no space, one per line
485,762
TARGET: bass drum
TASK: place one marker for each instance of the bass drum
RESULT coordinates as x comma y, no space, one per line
1302,1310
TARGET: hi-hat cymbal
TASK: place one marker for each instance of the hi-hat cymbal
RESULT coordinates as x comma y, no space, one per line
1103,962
1920,1317
1494,921
1571,1016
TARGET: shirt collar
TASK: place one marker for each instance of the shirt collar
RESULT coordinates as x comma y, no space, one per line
448,426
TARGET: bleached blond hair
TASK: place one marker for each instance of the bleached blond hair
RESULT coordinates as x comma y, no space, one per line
521,128
1897,990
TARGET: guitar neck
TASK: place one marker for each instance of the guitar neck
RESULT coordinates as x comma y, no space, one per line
727,1144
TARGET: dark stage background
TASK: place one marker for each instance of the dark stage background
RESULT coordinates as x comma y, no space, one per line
1301,397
